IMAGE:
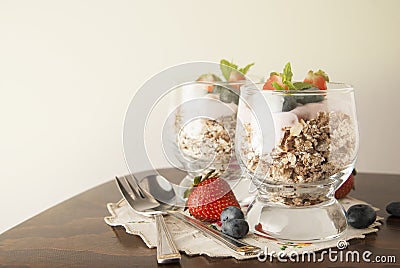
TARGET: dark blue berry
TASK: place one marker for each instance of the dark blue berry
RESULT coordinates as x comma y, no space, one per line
289,103
309,99
231,213
361,216
394,209
228,96
236,228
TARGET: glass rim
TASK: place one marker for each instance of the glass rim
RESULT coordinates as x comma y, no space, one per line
331,87
249,80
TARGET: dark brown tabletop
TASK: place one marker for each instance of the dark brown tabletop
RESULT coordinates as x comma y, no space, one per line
74,234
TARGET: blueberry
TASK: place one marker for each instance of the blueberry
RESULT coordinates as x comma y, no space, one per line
228,96
394,209
309,99
231,213
289,103
236,228
361,216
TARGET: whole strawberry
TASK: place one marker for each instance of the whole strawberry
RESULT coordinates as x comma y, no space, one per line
209,196
346,187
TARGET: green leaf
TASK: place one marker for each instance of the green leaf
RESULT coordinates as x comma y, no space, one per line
246,68
277,86
213,226
287,73
290,85
226,68
196,180
208,175
187,193
302,85
323,74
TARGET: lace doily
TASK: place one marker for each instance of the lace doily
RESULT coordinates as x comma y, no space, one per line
192,241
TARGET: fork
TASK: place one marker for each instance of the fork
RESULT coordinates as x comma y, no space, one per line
143,203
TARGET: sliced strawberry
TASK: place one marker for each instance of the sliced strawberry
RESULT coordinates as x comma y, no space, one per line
274,77
317,79
208,197
236,76
346,187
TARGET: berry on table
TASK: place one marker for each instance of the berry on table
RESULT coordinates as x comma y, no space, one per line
361,216
393,209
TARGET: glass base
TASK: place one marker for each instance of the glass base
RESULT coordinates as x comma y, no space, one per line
320,222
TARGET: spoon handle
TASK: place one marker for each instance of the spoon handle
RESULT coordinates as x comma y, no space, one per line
166,249
238,246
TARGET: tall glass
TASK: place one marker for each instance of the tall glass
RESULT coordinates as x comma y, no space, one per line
297,156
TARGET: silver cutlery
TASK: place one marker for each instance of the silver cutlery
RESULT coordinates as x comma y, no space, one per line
145,204
238,246
165,191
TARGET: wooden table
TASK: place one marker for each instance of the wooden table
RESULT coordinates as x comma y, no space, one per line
73,234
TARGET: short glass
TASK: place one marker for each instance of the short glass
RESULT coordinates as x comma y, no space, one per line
298,147
202,133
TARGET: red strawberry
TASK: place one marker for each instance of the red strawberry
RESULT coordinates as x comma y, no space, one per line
236,76
317,79
209,196
209,78
274,77
346,187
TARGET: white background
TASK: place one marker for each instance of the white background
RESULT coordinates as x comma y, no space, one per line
68,70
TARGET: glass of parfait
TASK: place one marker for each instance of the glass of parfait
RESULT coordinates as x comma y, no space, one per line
298,147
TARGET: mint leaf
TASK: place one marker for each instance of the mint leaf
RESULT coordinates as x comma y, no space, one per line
302,85
277,86
246,68
290,85
226,68
287,73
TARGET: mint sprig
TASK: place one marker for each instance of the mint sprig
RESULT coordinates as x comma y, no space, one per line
277,86
302,85
227,67
246,69
287,76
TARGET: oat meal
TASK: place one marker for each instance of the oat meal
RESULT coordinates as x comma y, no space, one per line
213,141
310,151
313,150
